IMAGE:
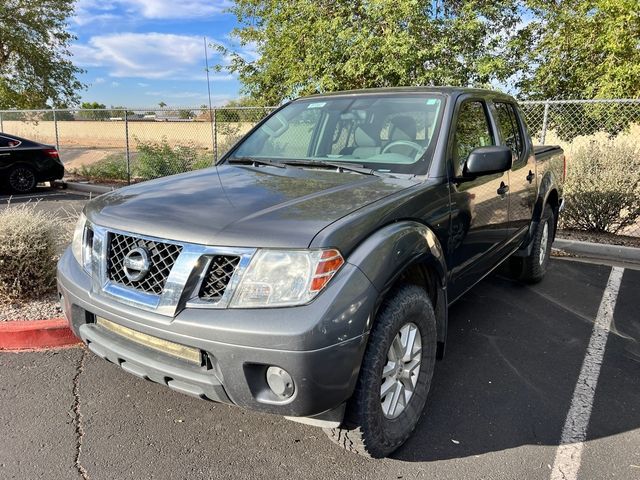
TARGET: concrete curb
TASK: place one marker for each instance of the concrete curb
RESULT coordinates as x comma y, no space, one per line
603,251
36,334
89,188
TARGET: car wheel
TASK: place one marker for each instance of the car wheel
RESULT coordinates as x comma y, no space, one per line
22,179
395,376
533,267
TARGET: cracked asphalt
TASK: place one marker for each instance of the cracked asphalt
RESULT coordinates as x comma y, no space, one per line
496,410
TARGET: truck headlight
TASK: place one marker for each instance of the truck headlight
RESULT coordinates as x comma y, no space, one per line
82,243
285,278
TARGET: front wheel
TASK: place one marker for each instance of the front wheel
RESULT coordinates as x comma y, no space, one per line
395,376
533,267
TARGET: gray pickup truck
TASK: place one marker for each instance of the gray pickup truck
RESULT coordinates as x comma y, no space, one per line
309,273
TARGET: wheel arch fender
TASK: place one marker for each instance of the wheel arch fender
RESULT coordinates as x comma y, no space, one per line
396,249
547,191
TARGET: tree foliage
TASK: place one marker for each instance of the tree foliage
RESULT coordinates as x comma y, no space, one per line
308,46
35,66
583,49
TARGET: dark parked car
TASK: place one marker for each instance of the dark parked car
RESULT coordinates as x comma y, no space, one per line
24,163
310,273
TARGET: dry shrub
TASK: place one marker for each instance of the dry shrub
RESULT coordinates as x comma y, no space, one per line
29,247
603,186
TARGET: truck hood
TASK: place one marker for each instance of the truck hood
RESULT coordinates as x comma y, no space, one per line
241,206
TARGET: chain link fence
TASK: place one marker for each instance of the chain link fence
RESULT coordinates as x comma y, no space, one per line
121,146
601,139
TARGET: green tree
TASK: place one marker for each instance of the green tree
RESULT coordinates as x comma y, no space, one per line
185,114
35,70
308,46
93,111
583,49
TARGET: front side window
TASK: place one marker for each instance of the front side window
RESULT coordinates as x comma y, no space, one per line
472,131
387,133
508,124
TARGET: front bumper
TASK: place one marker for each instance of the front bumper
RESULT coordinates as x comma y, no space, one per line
320,344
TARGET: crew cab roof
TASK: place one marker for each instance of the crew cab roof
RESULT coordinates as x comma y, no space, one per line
446,90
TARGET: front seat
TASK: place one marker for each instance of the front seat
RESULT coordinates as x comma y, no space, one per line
366,144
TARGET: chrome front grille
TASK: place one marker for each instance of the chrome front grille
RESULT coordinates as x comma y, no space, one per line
162,257
179,275
218,276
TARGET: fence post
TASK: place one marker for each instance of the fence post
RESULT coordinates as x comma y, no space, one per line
126,139
55,127
1,123
545,120
215,136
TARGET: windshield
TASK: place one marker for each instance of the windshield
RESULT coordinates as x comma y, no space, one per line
386,133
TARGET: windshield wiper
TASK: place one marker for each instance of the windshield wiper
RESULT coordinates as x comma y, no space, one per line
340,166
254,161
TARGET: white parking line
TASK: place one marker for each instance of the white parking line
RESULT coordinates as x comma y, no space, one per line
574,433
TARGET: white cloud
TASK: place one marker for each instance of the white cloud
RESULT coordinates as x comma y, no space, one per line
115,84
143,85
179,8
89,11
147,55
98,80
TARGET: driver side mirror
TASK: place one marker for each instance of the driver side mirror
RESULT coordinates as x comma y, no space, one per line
487,161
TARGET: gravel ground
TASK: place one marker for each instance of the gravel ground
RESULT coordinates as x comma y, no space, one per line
597,237
42,309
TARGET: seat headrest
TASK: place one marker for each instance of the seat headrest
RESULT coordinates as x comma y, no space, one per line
364,138
403,128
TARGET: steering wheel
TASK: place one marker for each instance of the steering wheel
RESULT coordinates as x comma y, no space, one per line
405,143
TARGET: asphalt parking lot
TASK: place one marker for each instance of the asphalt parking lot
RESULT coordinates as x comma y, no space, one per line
55,200
497,407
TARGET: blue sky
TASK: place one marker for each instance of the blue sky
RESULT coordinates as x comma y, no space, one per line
141,52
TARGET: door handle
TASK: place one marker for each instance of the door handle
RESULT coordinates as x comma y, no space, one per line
4,154
503,189
531,176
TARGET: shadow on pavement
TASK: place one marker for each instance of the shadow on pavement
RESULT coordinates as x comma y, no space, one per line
514,353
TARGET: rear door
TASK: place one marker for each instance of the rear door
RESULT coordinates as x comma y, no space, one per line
8,154
479,207
523,181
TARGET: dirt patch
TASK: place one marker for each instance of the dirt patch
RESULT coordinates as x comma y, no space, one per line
599,237
75,158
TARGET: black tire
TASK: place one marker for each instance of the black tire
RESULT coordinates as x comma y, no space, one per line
22,179
366,429
532,268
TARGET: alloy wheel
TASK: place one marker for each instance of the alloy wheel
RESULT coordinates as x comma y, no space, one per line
400,373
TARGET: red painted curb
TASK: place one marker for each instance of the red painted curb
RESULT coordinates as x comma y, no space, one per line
36,334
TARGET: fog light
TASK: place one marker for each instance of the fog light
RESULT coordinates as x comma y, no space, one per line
280,382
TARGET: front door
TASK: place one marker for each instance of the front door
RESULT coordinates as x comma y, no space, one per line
479,208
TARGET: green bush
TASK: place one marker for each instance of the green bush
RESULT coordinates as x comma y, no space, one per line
29,246
159,159
602,189
111,168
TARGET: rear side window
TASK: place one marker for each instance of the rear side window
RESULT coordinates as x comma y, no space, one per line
509,128
472,131
8,142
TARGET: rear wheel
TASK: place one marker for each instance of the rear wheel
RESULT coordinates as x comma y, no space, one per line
395,376
22,179
533,267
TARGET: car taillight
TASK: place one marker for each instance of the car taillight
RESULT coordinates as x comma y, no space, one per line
53,153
